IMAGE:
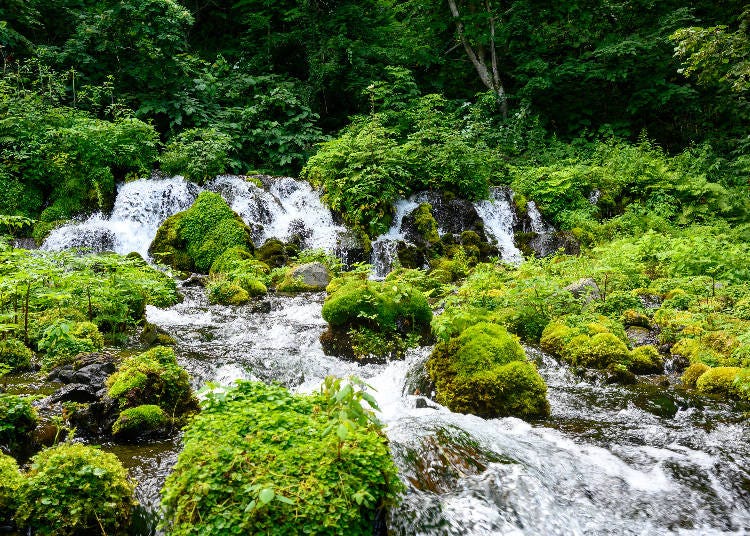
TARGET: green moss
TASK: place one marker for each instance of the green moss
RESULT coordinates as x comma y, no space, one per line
15,355
598,351
484,372
273,252
555,336
152,378
196,237
426,224
18,419
719,381
10,482
646,360
692,373
631,317
232,259
75,489
259,460
226,292
470,238
138,420
381,306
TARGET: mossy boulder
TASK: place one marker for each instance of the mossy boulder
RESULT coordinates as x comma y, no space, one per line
10,482
484,371
308,277
15,355
275,253
692,373
598,351
232,259
139,421
420,226
195,238
646,360
720,381
152,378
75,489
226,292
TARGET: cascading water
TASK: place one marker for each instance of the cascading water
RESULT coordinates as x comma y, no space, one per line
385,247
498,217
289,207
610,459
140,207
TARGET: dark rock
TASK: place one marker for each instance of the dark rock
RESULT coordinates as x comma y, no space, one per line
619,374
584,288
74,392
410,256
640,336
195,280
94,374
313,275
263,306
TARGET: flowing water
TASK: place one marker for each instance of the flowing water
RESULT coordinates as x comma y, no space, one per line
610,459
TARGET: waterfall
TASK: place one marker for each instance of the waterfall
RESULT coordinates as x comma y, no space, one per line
385,247
140,207
289,207
498,216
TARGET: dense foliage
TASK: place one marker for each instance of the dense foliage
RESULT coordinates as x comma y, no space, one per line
259,460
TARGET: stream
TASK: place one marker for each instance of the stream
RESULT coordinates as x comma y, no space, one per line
610,459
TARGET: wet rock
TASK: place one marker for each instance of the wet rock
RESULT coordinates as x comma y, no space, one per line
313,275
640,336
620,375
585,288
195,280
75,392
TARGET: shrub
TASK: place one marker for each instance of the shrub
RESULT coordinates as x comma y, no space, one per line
63,341
17,420
198,153
15,355
138,420
10,481
152,378
484,371
75,489
259,460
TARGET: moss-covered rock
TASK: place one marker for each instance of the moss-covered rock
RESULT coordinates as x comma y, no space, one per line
140,420
646,360
597,351
75,489
274,253
10,482
484,371
308,277
692,373
226,292
195,238
152,378
420,225
720,381
232,259
15,355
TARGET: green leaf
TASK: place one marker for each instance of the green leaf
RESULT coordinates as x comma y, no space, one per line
266,495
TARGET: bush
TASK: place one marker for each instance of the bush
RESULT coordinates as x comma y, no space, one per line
63,341
198,236
75,489
10,481
259,460
15,355
139,420
484,371
152,378
199,154
17,420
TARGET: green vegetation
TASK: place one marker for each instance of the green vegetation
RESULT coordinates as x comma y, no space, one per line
17,420
195,238
10,481
298,464
73,489
15,355
139,420
484,371
152,378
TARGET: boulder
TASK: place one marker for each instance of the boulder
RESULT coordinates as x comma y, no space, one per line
313,275
584,288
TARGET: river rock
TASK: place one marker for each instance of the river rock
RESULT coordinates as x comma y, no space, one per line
584,288
313,275
640,336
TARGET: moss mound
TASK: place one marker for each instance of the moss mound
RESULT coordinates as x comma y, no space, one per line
140,420
720,381
259,460
484,371
195,238
75,489
692,373
152,378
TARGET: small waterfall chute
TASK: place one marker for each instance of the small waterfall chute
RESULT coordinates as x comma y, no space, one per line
499,218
